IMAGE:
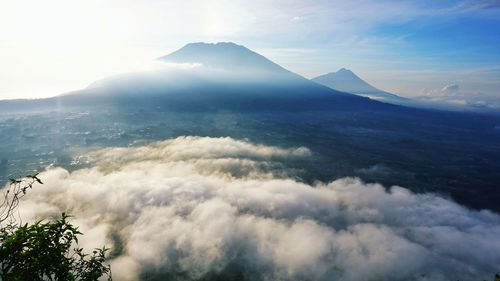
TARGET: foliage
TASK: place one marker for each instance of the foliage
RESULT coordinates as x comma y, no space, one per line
43,250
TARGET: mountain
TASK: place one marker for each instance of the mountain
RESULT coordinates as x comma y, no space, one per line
226,76
346,81
224,55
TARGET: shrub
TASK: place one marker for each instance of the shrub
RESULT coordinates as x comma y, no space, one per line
43,250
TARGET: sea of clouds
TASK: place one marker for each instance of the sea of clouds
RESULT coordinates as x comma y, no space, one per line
197,207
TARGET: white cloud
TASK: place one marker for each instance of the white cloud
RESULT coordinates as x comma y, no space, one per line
472,5
378,169
451,88
197,206
451,94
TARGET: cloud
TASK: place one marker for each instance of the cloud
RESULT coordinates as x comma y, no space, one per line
452,95
467,6
451,88
382,170
198,207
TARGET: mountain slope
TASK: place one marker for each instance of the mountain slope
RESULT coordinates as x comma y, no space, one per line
346,81
223,55
231,77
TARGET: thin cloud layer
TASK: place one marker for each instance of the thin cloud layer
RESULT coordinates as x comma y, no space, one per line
452,95
451,88
194,207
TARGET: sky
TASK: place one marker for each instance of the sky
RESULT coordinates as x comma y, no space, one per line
411,48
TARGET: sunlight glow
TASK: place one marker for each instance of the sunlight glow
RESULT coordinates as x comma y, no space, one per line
54,46
47,39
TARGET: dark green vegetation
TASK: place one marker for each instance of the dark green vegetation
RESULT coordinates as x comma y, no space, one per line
43,250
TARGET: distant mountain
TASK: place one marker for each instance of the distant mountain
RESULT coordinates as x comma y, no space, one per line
230,77
346,81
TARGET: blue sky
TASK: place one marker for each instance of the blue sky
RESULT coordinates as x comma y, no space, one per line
411,48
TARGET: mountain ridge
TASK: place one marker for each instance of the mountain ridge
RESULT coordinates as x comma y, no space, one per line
232,77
